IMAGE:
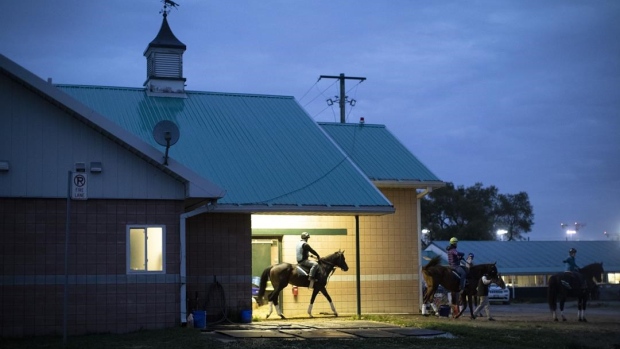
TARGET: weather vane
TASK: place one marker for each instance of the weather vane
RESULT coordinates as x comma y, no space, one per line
168,4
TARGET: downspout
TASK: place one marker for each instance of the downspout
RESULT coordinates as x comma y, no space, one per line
183,272
419,219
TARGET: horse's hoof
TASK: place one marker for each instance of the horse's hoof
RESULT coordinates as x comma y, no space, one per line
564,319
336,314
556,320
283,317
472,317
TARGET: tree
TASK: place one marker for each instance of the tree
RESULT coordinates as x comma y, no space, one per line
514,214
475,213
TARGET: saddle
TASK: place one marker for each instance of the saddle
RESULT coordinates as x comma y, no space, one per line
303,271
573,281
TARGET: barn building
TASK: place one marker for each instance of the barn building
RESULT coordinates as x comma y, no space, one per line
121,208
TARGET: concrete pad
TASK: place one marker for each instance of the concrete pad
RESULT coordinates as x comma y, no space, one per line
255,334
417,332
320,334
371,333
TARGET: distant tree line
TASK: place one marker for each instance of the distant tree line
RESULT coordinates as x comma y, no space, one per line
476,213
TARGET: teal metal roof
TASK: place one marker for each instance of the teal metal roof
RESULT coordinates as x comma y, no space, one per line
263,150
537,257
379,154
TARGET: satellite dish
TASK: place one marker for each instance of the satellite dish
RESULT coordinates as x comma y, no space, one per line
166,133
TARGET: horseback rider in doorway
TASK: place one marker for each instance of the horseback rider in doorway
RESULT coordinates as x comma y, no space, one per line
303,251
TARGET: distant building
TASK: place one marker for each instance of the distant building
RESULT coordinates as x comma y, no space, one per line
530,263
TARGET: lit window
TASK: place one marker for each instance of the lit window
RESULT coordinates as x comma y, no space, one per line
146,249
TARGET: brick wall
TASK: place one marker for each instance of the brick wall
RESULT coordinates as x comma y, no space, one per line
101,296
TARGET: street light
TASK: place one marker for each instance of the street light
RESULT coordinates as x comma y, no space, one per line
570,233
501,233
427,235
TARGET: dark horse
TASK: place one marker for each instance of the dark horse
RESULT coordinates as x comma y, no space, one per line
573,284
285,273
436,274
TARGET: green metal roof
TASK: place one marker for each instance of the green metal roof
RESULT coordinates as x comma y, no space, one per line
265,151
379,154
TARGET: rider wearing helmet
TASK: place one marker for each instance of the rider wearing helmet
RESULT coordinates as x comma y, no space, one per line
570,261
454,260
571,267
303,250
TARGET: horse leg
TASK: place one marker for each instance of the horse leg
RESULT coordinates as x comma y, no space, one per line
273,301
329,299
315,291
562,300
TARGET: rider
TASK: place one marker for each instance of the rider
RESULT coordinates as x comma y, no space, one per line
572,267
454,260
570,261
303,250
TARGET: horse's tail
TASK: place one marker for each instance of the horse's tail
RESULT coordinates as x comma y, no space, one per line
552,291
263,284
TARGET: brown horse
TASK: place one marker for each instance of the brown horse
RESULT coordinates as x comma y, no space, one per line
436,274
573,284
285,273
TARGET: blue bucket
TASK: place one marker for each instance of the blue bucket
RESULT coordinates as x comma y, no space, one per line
200,319
246,316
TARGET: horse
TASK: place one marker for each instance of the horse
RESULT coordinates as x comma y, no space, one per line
571,284
435,274
283,274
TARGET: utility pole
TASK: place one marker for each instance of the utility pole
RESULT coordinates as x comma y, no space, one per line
342,98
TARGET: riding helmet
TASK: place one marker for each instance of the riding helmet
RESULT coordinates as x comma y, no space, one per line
453,241
572,250
305,235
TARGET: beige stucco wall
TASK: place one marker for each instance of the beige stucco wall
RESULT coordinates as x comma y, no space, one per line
389,259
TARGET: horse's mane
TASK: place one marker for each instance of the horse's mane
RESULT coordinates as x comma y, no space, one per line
432,263
592,269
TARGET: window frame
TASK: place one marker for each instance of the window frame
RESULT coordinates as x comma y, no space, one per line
128,228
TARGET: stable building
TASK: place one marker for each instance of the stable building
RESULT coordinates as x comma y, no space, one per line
136,202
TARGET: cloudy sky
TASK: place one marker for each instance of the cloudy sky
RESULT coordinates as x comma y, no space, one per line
523,95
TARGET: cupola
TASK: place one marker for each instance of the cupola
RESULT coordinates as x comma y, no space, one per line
164,63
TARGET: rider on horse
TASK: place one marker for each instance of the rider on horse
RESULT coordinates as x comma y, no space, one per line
571,267
454,260
303,250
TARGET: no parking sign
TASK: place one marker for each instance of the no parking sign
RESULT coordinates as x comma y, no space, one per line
79,188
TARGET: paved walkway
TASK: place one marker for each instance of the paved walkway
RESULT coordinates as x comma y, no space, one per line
317,328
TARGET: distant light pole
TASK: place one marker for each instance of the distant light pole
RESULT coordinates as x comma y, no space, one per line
427,236
501,233
572,231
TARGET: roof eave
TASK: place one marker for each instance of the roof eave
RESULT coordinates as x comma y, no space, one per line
408,184
306,209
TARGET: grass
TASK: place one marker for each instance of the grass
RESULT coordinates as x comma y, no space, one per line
469,334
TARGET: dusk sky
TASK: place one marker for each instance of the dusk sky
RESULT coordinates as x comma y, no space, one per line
523,95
